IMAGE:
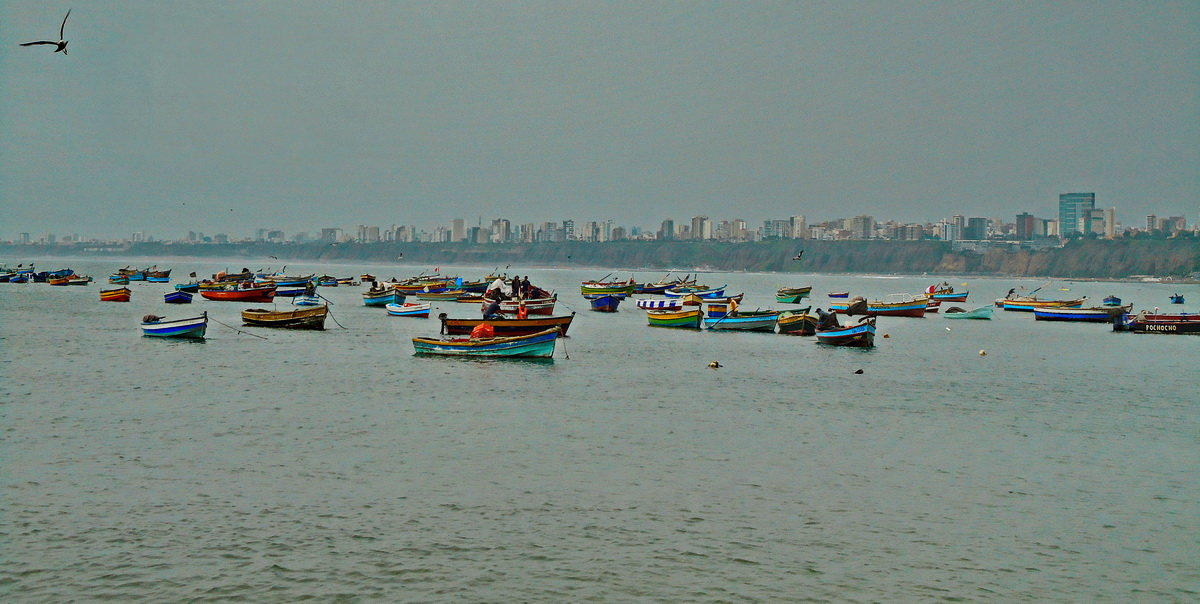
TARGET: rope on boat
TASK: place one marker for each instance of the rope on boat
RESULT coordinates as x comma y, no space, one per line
236,329
562,338
329,303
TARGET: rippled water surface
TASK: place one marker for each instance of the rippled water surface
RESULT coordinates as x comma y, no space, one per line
1061,465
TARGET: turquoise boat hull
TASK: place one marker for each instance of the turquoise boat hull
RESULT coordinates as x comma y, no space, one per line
538,345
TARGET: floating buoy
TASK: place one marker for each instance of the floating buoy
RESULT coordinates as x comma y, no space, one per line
947,329
983,353
887,335
715,365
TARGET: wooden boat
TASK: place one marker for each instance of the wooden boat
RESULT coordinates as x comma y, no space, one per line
535,345
738,320
190,287
533,306
897,305
699,292
291,291
249,294
607,287
327,281
155,276
689,319
861,334
1094,314
62,281
442,295
1028,303
1177,299
669,304
303,318
792,295
606,303
78,280
409,309
177,297
1164,323
694,300
382,296
662,285
508,326
797,322
1112,301
838,294
158,327
118,279
945,293
932,305
307,300
954,312
121,294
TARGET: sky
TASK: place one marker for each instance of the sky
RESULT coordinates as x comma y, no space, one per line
231,116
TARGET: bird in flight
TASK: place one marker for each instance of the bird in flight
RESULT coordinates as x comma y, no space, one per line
799,255
61,43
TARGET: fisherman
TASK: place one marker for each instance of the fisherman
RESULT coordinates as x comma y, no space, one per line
827,320
495,290
526,288
493,311
516,286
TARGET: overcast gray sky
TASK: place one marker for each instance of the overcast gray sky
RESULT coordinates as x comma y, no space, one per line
229,116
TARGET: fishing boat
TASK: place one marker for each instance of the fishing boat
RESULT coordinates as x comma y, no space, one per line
291,291
954,312
382,296
303,318
248,294
669,304
694,300
1094,314
409,309
190,287
78,280
1112,301
535,345
861,334
663,285
689,319
606,303
533,306
699,292
945,293
896,305
156,276
59,281
797,322
442,295
607,287
121,294
1164,323
307,300
1028,303
177,297
931,305
792,295
508,326
327,281
118,280
838,294
1177,299
158,327
739,320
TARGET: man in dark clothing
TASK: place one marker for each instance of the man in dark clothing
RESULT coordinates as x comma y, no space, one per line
516,286
493,311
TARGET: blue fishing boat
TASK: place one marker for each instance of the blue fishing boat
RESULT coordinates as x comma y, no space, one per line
306,300
536,345
159,327
861,334
1095,314
606,303
409,309
191,288
1177,299
382,296
701,292
954,312
177,297
761,320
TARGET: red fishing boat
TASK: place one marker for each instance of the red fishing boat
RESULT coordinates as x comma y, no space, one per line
247,294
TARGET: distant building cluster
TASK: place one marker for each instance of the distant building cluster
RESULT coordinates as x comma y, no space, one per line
1078,217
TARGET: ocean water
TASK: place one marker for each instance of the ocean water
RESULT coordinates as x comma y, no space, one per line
1061,465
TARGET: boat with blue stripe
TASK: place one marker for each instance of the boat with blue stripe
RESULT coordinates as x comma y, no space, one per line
536,345
159,327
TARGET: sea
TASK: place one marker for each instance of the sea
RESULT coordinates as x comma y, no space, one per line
989,461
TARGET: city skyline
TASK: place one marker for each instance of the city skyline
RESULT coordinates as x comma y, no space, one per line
623,110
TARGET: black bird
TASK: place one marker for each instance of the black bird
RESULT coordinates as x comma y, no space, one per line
798,255
61,43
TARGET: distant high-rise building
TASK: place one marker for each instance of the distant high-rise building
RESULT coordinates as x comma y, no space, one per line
798,227
458,230
701,227
1151,222
568,230
668,229
1072,208
1025,226
330,234
976,229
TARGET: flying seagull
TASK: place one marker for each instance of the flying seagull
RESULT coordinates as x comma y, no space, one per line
799,255
61,43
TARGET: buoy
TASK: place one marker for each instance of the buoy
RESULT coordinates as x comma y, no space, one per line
886,335
715,365
983,353
947,329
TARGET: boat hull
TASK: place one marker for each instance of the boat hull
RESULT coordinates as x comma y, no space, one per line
915,309
536,345
1028,304
409,309
1169,324
792,295
686,319
736,321
383,299
177,297
180,328
1086,315
670,304
606,303
263,294
983,312
797,323
115,295
508,326
304,318
861,335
